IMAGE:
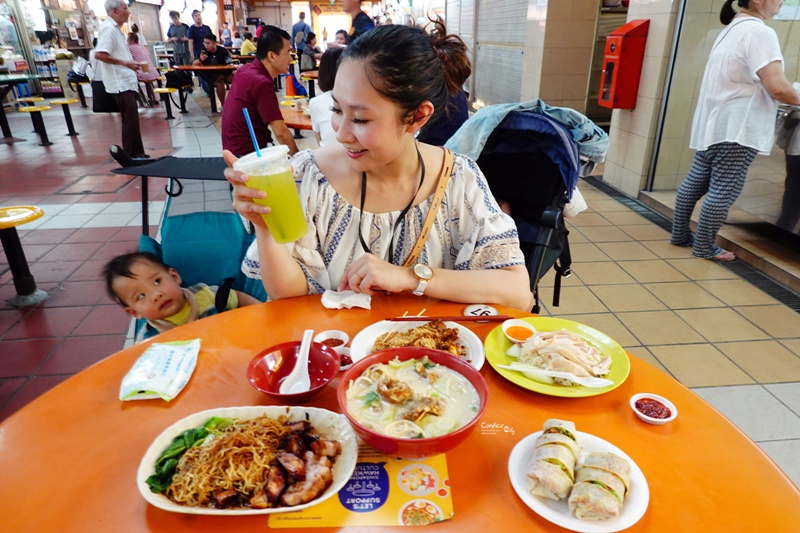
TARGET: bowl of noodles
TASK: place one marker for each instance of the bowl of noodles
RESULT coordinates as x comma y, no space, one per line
412,402
240,457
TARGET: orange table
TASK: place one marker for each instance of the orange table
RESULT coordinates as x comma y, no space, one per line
295,119
69,458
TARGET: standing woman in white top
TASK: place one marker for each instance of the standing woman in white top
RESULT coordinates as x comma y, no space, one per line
734,120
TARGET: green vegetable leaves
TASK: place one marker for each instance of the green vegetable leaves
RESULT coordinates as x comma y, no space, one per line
168,460
370,398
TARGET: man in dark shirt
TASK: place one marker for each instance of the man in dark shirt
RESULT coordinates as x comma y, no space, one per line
196,33
362,23
215,55
253,88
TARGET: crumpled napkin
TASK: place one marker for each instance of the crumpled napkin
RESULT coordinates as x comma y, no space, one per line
345,299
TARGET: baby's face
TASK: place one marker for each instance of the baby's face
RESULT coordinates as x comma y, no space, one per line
152,293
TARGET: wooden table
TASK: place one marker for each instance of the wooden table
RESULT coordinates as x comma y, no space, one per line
7,81
209,68
311,77
296,120
69,458
246,58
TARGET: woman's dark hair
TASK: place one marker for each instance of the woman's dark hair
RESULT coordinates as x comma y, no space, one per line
120,267
408,66
328,65
310,36
270,40
236,35
132,37
134,28
727,12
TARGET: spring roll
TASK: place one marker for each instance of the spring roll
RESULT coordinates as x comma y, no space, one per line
549,480
565,427
614,464
560,439
592,500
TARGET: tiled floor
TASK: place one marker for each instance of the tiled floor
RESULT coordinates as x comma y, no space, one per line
735,345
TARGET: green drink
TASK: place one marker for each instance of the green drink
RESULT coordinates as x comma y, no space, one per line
271,173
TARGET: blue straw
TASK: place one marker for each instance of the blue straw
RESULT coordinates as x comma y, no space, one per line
250,129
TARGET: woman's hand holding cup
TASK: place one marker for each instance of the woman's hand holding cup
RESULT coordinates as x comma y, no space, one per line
243,195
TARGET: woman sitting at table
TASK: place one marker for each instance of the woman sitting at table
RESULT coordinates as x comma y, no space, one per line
321,105
366,197
312,52
236,44
146,75
248,46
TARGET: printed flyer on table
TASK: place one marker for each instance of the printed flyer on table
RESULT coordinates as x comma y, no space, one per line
383,491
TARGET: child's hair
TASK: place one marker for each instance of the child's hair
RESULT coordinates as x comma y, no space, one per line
408,66
120,267
328,65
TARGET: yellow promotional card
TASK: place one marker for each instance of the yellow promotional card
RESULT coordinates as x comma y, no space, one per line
383,491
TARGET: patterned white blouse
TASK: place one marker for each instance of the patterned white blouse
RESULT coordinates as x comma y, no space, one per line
470,231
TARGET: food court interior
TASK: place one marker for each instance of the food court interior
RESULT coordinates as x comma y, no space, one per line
730,332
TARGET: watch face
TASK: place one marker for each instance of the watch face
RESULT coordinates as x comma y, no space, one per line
423,271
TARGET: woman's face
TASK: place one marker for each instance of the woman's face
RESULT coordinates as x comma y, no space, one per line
366,124
768,8
341,39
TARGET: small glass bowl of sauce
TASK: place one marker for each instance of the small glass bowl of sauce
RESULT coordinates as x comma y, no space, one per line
653,409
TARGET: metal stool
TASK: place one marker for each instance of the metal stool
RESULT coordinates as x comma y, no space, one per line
80,93
25,285
30,100
165,93
38,122
64,103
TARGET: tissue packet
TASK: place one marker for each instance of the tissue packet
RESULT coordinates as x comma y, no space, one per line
161,371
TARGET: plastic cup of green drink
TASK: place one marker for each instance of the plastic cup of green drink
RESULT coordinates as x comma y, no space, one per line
272,174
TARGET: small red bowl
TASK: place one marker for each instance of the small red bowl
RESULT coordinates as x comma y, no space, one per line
269,368
413,448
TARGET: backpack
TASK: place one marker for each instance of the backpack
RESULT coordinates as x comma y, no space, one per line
177,79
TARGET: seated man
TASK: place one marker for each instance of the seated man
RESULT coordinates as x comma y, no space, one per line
215,55
253,88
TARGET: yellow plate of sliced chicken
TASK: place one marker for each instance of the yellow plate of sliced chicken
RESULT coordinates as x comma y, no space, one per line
560,345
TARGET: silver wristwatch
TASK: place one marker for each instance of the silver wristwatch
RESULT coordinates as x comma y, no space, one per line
424,274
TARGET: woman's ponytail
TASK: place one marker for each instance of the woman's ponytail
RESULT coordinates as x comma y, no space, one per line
727,12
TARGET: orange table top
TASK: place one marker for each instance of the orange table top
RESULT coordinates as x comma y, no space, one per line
69,458
295,119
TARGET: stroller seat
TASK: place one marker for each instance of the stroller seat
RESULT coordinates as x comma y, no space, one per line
532,163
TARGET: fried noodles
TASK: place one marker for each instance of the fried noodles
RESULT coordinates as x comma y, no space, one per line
434,334
235,458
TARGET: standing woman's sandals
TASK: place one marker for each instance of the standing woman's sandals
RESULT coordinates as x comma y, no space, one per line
723,257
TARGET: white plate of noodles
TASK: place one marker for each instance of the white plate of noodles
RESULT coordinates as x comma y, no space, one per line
332,426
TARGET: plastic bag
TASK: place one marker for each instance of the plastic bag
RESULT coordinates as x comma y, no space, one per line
162,371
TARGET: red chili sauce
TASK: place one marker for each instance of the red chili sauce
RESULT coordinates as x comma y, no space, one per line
333,343
653,408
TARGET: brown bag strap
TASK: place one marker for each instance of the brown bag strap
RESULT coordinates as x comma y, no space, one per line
444,178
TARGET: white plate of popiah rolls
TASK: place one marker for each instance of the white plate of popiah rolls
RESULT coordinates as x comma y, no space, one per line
578,481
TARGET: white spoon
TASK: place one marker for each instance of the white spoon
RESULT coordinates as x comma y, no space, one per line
538,374
298,379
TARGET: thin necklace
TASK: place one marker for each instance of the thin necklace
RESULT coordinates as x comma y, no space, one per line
402,213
